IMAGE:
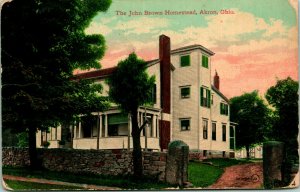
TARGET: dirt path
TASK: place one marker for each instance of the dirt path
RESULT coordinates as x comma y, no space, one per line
52,182
247,176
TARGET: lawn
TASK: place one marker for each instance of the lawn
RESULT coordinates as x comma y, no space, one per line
203,174
22,185
125,182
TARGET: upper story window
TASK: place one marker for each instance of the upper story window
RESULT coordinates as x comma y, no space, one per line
223,109
185,60
205,97
204,61
153,94
185,124
185,92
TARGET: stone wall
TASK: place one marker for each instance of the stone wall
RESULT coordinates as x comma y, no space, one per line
200,155
105,162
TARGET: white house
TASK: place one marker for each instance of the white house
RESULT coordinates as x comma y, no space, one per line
188,106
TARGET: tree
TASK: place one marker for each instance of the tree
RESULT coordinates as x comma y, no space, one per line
42,43
130,87
284,98
253,118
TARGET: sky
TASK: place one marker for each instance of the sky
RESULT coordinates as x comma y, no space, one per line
253,47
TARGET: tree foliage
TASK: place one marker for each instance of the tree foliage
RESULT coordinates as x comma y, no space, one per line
284,98
130,87
253,118
42,43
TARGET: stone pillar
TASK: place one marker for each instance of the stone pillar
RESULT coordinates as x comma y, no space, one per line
177,163
106,125
273,154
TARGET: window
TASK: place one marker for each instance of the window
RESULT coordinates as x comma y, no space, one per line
204,61
185,124
223,132
205,97
153,94
185,60
205,126
212,98
185,92
213,131
223,109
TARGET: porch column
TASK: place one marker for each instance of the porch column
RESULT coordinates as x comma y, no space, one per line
157,127
129,131
100,123
146,135
75,130
98,130
79,132
153,125
141,122
106,125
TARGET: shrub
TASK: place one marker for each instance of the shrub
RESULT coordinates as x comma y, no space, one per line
46,144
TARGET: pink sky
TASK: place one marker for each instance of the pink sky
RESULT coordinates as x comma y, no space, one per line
269,50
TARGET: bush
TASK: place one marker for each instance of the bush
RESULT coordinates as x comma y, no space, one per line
22,139
62,142
46,144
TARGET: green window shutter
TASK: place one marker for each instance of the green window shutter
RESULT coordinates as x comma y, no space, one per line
201,96
206,58
221,108
204,61
226,109
208,98
185,60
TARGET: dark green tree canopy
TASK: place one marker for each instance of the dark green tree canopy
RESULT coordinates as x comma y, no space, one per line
252,116
284,98
42,43
130,85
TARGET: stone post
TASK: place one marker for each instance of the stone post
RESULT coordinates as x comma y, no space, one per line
177,163
273,154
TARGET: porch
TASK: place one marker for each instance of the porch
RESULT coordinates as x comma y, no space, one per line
112,130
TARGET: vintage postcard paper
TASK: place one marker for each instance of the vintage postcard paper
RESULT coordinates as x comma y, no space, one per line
195,94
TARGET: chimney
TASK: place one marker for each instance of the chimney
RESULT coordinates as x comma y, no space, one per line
165,72
217,81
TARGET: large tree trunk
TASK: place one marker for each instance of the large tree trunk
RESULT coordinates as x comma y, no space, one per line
32,148
137,151
248,151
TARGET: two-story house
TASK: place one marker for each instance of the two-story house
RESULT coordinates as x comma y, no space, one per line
188,106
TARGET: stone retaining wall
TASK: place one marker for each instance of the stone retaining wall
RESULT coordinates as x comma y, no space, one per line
105,162
200,155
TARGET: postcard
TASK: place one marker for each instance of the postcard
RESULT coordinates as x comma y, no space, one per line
150,94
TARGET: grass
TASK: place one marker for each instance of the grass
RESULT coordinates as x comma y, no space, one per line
224,162
203,174
22,185
125,182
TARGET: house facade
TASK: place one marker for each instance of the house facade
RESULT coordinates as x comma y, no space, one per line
188,106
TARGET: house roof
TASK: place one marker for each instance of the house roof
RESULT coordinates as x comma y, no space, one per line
219,93
101,73
192,47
